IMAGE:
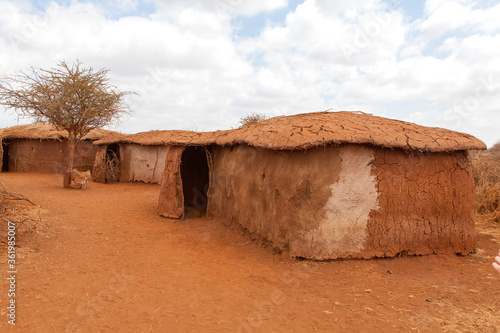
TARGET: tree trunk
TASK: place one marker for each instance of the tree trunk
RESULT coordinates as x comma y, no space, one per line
71,158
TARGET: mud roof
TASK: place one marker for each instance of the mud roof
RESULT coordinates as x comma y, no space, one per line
45,132
307,130
163,138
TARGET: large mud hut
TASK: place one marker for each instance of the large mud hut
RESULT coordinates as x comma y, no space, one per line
328,185
342,184
43,149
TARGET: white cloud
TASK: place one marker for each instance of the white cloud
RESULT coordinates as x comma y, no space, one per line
445,16
191,70
225,8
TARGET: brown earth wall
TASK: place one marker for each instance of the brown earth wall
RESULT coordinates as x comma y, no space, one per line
347,201
47,156
426,204
142,163
275,194
1,155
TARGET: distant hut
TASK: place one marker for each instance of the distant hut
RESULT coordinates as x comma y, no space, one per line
1,154
43,149
334,185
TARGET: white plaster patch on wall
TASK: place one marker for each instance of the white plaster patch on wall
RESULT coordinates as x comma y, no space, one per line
145,163
347,210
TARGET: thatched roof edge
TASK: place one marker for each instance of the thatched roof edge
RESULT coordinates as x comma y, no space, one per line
163,138
46,132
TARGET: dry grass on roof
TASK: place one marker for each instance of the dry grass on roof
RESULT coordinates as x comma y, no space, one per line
46,131
307,130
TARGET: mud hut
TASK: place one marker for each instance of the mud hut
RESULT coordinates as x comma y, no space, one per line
141,157
41,148
330,185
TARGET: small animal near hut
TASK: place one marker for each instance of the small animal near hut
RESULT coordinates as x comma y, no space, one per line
77,180
41,148
325,185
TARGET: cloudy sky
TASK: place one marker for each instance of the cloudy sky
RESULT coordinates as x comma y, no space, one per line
202,65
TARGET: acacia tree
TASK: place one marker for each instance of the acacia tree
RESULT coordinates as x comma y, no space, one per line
71,98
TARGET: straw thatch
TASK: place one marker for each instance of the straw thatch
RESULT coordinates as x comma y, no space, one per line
309,130
46,131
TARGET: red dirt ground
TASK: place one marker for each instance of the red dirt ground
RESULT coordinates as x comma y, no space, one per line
114,265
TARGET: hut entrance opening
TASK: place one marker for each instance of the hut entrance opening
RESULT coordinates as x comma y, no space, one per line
5,156
195,181
112,172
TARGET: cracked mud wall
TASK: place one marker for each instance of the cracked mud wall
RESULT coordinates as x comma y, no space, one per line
48,156
348,201
278,195
142,163
426,204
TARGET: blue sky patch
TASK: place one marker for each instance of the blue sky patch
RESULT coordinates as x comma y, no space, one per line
248,27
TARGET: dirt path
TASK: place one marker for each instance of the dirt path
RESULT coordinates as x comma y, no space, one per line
114,265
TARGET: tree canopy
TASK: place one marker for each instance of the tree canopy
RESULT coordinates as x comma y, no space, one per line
72,98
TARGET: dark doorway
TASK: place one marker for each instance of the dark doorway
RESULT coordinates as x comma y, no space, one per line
112,172
5,156
195,181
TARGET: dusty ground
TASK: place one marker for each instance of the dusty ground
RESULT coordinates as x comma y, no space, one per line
114,265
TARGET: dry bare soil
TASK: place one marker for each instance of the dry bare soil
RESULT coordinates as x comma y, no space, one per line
114,265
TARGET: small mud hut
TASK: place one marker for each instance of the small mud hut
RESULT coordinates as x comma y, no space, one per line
331,185
43,149
141,157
